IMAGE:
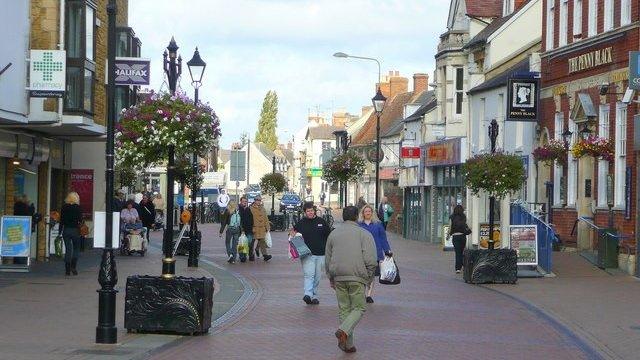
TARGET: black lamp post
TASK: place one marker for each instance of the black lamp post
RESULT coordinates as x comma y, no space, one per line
196,70
106,331
273,196
585,133
172,69
493,136
378,104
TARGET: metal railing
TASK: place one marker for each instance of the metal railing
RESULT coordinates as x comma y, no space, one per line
520,215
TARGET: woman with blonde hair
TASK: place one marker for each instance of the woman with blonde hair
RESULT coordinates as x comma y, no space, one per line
230,220
369,221
70,221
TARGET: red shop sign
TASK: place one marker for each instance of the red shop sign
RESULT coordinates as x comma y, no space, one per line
410,152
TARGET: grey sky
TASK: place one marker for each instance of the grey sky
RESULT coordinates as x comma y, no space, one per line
253,46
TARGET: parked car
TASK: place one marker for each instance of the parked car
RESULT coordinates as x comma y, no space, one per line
290,202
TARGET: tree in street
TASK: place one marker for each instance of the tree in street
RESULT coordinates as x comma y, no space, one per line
268,122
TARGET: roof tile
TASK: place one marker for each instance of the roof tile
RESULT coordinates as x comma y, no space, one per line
484,8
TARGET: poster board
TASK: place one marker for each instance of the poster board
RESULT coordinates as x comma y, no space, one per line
82,183
99,230
484,235
15,237
524,239
447,241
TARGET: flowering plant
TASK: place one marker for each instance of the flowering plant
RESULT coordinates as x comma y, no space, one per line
593,146
273,183
548,153
147,129
498,174
344,167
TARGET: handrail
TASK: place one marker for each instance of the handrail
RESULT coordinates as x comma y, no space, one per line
521,202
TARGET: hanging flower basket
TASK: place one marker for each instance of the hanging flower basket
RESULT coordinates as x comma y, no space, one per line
550,152
146,130
498,174
344,167
273,183
593,146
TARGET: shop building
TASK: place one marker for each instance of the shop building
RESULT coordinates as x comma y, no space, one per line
585,64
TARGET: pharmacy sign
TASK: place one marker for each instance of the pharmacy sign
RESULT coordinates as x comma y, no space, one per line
47,73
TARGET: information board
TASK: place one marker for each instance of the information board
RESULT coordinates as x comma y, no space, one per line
524,240
15,236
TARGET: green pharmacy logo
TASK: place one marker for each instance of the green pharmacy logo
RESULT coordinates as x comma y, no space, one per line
47,66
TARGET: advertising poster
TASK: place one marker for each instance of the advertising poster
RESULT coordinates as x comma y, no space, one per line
524,239
484,235
15,236
447,241
82,183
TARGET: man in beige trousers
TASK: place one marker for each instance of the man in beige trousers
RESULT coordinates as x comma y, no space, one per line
350,262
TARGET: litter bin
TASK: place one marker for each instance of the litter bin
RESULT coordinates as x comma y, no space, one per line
608,249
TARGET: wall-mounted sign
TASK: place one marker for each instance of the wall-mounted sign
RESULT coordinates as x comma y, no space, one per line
524,239
410,152
445,152
523,100
47,73
132,71
82,183
314,172
371,155
634,70
591,59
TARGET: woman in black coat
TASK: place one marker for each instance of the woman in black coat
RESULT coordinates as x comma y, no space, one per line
459,231
70,220
147,212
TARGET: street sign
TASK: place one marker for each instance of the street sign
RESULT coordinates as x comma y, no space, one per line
634,70
47,73
132,71
237,161
410,152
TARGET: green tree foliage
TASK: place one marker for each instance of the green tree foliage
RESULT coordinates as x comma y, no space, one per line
268,122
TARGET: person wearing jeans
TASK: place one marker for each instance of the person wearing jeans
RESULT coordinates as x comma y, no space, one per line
246,226
314,231
70,220
459,231
231,221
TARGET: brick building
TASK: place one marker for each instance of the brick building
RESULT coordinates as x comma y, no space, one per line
585,64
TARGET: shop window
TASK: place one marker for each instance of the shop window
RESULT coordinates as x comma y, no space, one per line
620,154
625,12
459,90
80,45
482,135
592,27
603,165
577,17
550,24
564,20
608,15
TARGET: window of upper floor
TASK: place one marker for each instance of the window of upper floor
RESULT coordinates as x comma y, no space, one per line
564,21
459,90
577,18
592,22
550,26
508,7
80,40
625,12
128,45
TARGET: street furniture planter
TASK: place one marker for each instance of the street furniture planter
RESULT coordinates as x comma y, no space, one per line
608,249
277,222
490,266
177,305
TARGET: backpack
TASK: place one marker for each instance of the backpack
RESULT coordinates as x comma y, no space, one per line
234,222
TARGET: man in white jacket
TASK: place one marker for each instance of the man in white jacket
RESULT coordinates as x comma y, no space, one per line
223,200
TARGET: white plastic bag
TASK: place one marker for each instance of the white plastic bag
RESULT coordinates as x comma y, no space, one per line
388,269
243,244
267,239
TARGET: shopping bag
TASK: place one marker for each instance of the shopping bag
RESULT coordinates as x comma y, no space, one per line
299,245
389,273
267,239
58,245
243,244
293,254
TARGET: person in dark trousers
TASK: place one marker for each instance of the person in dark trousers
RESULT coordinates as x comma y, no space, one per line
246,225
459,231
370,222
315,232
384,212
147,214
70,220
351,263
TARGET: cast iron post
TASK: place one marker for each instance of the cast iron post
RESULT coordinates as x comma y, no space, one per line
106,331
377,160
193,227
493,136
273,195
173,71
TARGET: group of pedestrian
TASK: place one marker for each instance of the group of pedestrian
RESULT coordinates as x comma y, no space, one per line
246,220
139,213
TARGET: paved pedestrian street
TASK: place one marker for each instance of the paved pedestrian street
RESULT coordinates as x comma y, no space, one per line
432,314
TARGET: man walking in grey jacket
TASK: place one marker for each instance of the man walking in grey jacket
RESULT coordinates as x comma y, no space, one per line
350,262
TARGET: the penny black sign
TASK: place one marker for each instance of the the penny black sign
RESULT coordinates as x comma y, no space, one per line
522,102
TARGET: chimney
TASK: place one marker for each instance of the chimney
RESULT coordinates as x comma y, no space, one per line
420,82
394,84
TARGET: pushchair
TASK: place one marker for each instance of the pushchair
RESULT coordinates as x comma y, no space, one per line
132,239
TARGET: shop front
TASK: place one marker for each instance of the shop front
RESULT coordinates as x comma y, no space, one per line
444,160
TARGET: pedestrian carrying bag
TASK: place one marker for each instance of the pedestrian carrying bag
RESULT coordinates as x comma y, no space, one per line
389,273
267,239
297,242
293,254
243,244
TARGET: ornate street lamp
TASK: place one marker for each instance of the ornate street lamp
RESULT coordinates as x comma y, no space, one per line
566,138
196,70
106,331
493,130
585,133
378,104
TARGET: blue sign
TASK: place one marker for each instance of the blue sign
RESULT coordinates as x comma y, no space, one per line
634,70
180,200
15,238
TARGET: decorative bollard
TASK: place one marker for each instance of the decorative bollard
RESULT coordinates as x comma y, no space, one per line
179,305
490,266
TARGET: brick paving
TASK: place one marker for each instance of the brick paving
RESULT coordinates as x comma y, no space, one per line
433,314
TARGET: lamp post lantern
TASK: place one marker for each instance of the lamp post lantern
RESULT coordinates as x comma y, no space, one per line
566,138
173,70
494,129
378,104
106,331
196,69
